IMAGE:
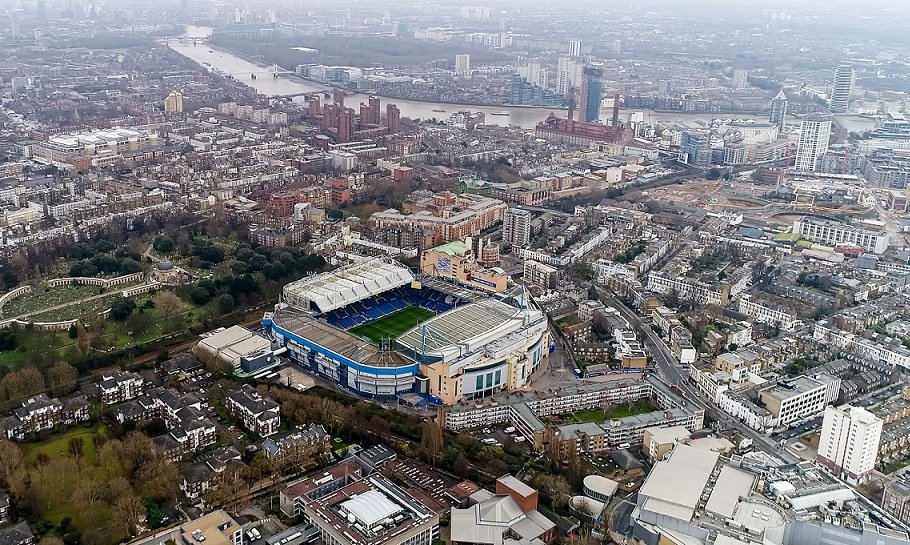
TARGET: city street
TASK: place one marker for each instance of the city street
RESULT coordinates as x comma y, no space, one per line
672,373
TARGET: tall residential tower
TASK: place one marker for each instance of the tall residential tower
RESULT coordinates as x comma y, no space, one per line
779,106
591,93
814,134
516,227
849,442
841,89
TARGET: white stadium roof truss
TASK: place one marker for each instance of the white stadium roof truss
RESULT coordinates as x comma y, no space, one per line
349,284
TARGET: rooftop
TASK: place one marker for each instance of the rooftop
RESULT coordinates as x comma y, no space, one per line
215,528
677,484
349,284
461,326
370,508
336,340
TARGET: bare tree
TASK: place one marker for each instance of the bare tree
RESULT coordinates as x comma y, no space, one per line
433,440
76,448
61,378
556,487
157,478
23,383
127,512
167,303
13,472
83,339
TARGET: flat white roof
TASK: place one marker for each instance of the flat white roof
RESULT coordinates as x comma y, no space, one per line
228,337
680,480
601,485
670,434
731,484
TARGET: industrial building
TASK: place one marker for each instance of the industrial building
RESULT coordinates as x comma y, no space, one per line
238,348
698,497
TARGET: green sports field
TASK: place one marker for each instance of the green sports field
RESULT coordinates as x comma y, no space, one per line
394,324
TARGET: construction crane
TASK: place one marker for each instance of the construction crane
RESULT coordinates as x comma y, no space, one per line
791,151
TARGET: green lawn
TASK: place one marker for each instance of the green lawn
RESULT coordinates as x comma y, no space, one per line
59,444
639,407
394,324
589,415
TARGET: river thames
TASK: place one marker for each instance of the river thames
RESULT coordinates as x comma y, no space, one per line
241,69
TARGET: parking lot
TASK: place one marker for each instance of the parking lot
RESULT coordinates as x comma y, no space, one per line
499,437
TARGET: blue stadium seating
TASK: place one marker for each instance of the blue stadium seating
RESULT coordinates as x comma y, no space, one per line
386,303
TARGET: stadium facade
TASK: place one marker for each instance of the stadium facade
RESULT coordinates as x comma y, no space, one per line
351,326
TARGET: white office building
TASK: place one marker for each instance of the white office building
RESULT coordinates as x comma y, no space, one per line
849,442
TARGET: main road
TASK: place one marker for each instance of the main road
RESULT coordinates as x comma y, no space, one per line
672,373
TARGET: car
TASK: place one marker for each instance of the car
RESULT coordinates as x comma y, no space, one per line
249,535
487,430
488,441
519,438
510,429
255,532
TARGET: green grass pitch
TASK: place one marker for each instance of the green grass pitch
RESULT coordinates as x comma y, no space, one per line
392,325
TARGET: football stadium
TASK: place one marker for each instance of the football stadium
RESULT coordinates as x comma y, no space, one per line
376,329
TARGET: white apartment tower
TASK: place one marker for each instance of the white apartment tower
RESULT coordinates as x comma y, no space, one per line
516,227
462,63
814,135
841,89
534,73
740,78
574,48
568,74
849,442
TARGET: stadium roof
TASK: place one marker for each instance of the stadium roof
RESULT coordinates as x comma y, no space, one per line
349,284
460,325
337,341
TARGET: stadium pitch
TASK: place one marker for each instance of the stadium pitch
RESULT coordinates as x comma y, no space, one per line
392,325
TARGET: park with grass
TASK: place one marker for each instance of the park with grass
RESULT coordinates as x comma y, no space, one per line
391,326
600,415
88,486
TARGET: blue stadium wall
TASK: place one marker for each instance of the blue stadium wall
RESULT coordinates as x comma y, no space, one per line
363,379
